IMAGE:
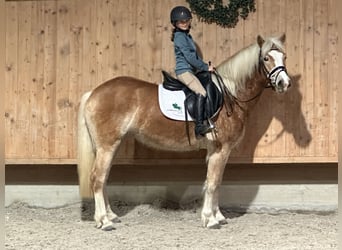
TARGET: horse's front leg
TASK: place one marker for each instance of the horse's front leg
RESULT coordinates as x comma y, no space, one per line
110,214
216,160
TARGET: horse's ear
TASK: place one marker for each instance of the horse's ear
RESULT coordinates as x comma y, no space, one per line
282,38
260,41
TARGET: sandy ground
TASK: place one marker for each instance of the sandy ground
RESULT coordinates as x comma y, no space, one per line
164,225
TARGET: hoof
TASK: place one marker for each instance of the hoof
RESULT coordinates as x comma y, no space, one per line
223,222
98,225
105,226
214,225
116,220
109,226
210,223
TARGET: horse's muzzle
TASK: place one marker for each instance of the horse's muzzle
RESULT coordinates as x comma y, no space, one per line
283,82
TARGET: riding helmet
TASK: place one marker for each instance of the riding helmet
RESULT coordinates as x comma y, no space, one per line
180,13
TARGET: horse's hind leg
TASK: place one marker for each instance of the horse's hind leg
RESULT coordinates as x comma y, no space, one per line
211,214
99,177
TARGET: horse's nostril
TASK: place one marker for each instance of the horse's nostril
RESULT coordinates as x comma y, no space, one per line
281,83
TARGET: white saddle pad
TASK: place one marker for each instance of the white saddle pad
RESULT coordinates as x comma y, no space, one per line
171,103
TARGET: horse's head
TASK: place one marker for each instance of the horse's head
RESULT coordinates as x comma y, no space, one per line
272,61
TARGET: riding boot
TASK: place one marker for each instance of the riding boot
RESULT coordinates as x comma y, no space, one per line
200,128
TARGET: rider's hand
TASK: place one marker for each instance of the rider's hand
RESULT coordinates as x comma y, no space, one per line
211,68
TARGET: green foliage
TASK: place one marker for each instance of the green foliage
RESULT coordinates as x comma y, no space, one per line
214,11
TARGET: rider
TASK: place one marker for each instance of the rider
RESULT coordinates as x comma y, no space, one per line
188,62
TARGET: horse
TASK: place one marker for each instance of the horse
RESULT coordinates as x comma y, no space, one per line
129,106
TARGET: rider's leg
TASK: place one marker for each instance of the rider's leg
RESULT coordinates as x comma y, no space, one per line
192,82
200,128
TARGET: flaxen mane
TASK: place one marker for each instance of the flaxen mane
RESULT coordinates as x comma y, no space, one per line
240,67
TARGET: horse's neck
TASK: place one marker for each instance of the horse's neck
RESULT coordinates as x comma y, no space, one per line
254,86
239,68
242,76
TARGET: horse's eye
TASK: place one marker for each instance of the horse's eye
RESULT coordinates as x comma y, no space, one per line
285,57
266,58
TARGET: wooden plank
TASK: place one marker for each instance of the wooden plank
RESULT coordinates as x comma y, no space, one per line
197,32
75,71
122,54
167,52
155,38
209,48
261,8
128,40
38,34
303,133
320,78
36,78
63,103
141,38
88,12
259,123
295,122
303,136
119,13
22,121
144,51
48,101
275,133
291,104
102,40
11,78
333,78
27,0
250,33
176,160
32,161
307,78
3,119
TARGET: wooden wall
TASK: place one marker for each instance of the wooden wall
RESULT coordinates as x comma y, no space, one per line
57,50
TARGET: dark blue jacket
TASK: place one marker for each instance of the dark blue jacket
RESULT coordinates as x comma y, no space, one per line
187,58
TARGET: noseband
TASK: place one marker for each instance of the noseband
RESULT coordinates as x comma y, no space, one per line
273,76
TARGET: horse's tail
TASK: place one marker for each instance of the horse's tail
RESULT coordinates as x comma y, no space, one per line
86,153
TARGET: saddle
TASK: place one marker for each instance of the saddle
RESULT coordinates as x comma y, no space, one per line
213,102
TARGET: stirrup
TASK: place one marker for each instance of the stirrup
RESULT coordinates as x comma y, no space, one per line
201,130
208,128
211,124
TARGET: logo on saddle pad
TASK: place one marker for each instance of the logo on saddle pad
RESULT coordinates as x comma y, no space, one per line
175,105
171,103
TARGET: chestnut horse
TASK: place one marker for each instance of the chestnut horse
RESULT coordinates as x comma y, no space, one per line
125,105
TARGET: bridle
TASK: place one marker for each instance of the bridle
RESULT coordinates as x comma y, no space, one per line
272,75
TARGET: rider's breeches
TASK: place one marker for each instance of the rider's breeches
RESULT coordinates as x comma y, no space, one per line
192,82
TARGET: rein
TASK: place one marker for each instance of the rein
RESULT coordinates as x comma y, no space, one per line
228,99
